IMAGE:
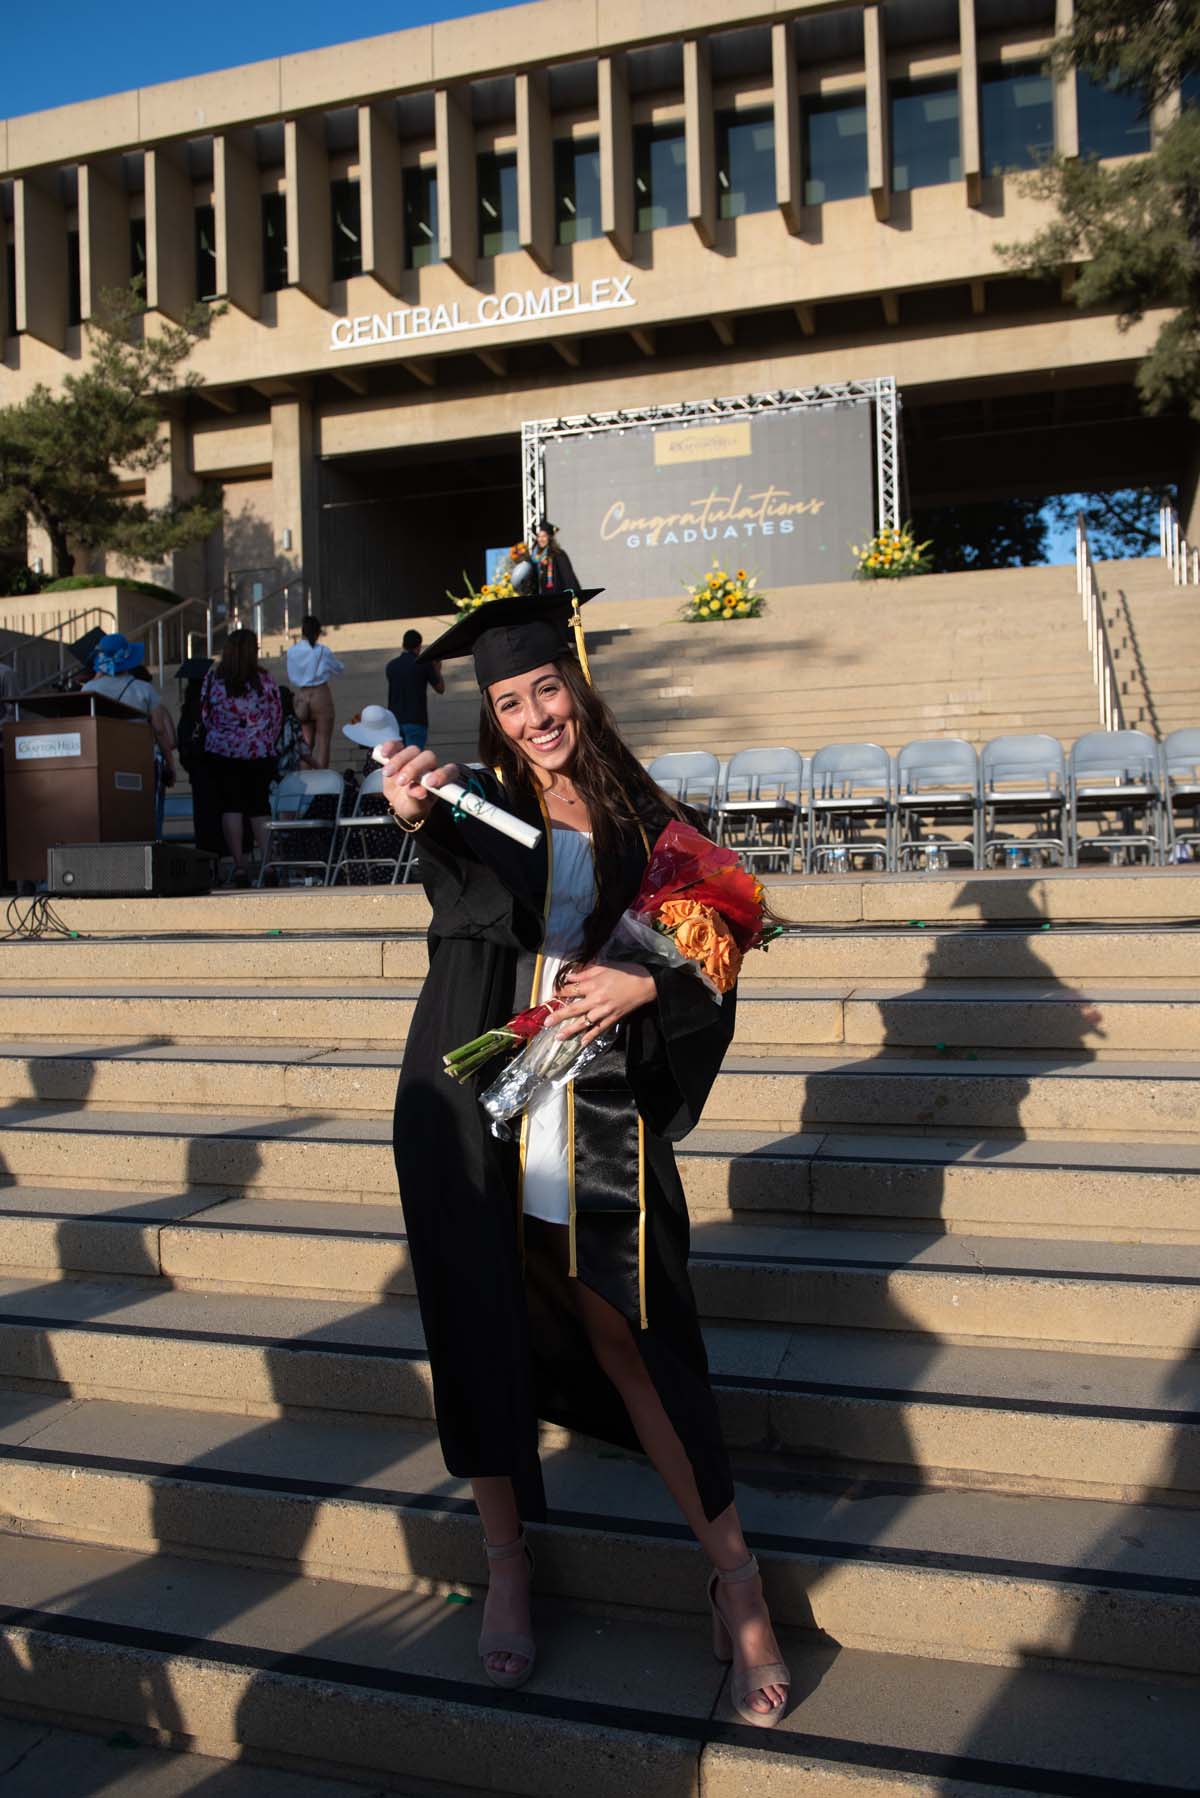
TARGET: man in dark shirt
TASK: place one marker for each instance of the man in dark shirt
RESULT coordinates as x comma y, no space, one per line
408,682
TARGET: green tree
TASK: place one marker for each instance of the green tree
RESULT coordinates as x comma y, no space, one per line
1120,523
1002,533
63,456
1133,230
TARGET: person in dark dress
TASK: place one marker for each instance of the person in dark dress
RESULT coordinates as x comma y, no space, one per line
409,678
552,1272
554,570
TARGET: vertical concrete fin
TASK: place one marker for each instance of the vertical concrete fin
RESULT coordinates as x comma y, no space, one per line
381,186
700,130
103,234
238,207
458,223
616,154
294,476
1066,91
968,103
170,232
789,145
879,149
535,168
309,213
40,239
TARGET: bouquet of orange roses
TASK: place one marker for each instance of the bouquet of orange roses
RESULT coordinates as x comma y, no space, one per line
697,908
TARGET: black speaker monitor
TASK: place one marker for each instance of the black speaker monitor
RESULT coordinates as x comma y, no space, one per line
128,870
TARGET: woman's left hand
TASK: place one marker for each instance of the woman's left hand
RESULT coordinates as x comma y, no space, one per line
599,996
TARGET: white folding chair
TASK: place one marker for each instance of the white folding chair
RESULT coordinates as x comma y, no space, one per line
304,812
759,809
937,784
692,776
1023,782
851,786
1180,761
370,812
1114,780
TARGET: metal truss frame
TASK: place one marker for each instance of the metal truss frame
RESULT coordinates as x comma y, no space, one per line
879,392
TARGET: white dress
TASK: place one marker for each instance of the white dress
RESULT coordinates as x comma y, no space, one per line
572,896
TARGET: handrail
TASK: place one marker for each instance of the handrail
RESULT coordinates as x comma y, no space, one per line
1112,711
1182,557
53,637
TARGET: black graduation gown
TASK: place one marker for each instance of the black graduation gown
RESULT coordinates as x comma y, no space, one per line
565,580
504,1342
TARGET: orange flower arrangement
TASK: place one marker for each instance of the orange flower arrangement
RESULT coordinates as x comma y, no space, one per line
701,934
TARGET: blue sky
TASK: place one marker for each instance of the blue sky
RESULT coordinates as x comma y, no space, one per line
63,50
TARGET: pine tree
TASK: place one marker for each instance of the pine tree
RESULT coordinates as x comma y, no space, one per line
1133,230
64,456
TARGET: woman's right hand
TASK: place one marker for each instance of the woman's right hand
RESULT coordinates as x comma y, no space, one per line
403,777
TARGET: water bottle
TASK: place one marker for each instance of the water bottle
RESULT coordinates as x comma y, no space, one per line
1012,857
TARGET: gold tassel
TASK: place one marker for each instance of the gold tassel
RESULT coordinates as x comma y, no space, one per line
580,644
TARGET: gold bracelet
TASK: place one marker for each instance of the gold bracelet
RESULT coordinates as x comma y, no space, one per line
404,824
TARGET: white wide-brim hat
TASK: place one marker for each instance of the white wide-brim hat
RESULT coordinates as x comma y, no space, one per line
376,725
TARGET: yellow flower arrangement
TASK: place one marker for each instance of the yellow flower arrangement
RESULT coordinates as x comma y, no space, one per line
471,600
719,594
892,554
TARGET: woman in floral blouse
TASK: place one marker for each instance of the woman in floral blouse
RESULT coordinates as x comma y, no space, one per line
241,709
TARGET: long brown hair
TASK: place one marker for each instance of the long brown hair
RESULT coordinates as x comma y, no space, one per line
238,669
618,792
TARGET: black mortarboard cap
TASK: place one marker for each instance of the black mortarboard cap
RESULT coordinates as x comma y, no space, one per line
508,637
194,668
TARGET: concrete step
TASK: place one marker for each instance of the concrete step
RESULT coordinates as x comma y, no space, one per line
1059,896
942,1014
1034,952
966,1574
994,1184
1111,1425
1139,1296
254,1662
1062,1093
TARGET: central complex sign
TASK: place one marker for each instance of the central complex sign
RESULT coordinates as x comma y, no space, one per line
405,324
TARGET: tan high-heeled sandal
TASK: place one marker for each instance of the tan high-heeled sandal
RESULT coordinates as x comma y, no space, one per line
745,1681
507,1641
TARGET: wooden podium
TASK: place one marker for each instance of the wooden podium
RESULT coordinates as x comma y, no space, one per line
78,768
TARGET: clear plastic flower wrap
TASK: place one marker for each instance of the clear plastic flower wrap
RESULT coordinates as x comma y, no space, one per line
545,1063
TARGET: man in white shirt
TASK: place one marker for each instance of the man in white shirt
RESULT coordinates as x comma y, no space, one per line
309,668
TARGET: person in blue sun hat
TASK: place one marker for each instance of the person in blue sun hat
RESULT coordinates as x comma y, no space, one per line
120,674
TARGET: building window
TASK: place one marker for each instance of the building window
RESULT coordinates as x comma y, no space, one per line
745,162
577,188
206,253
835,148
346,206
1016,116
74,302
925,148
10,258
137,252
498,227
274,242
420,218
1110,123
660,176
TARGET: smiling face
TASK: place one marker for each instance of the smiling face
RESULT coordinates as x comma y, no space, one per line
536,712
543,539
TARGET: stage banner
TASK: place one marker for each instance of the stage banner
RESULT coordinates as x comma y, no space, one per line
781,494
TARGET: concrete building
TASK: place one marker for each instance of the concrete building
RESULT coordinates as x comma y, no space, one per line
426,238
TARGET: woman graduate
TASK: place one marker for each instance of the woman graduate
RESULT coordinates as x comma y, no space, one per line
552,1273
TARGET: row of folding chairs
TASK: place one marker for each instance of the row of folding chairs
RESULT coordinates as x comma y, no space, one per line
1117,797
317,829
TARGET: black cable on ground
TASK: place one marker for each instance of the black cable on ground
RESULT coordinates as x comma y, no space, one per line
39,919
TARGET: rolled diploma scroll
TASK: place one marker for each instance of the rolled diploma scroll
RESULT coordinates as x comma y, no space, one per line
483,809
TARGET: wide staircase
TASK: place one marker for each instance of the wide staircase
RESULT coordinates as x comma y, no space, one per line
972,655
1154,629
946,1214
